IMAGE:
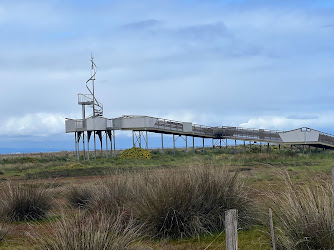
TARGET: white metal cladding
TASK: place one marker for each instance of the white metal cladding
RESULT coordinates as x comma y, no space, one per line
301,135
117,123
137,122
96,123
187,127
110,123
132,122
70,126
90,124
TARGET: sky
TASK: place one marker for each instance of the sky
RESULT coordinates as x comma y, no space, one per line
250,63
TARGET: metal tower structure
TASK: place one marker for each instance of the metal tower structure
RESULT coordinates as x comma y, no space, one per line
93,124
90,99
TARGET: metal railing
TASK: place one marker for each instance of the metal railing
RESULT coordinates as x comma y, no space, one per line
82,98
203,130
248,134
166,124
88,99
326,138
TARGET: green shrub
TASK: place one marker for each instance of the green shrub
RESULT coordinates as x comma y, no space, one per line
303,215
135,153
190,202
24,202
89,232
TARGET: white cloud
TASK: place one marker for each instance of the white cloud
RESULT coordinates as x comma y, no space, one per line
38,124
286,123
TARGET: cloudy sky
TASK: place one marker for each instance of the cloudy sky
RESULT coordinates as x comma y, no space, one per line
251,63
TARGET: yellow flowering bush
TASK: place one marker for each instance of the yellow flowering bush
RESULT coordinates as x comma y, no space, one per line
135,153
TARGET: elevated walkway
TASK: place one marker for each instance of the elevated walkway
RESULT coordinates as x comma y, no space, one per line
300,136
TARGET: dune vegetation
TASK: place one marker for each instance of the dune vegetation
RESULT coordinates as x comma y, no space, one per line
51,201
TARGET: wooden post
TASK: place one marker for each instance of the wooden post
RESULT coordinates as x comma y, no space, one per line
272,229
231,223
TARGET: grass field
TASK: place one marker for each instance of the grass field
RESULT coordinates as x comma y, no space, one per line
123,182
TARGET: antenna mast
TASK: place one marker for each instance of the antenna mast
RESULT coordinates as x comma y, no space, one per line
90,99
92,78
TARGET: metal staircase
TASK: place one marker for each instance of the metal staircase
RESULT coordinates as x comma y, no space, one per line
89,99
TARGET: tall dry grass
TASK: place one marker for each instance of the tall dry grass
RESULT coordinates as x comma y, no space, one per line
117,192
303,214
89,232
174,203
191,201
4,230
81,196
108,195
23,201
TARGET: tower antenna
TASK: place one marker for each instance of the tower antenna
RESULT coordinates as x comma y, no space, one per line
90,99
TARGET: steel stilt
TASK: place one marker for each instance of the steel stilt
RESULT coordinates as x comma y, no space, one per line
162,144
186,144
106,133
203,146
95,144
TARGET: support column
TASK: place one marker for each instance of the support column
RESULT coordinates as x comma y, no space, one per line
245,146
193,144
291,147
101,136
261,147
235,146
303,149
88,138
146,140
133,139
162,144
83,145
76,147
309,149
213,146
250,146
83,112
279,148
95,144
140,138
111,144
268,148
187,144
106,133
203,146
220,145
174,144
226,147
114,139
